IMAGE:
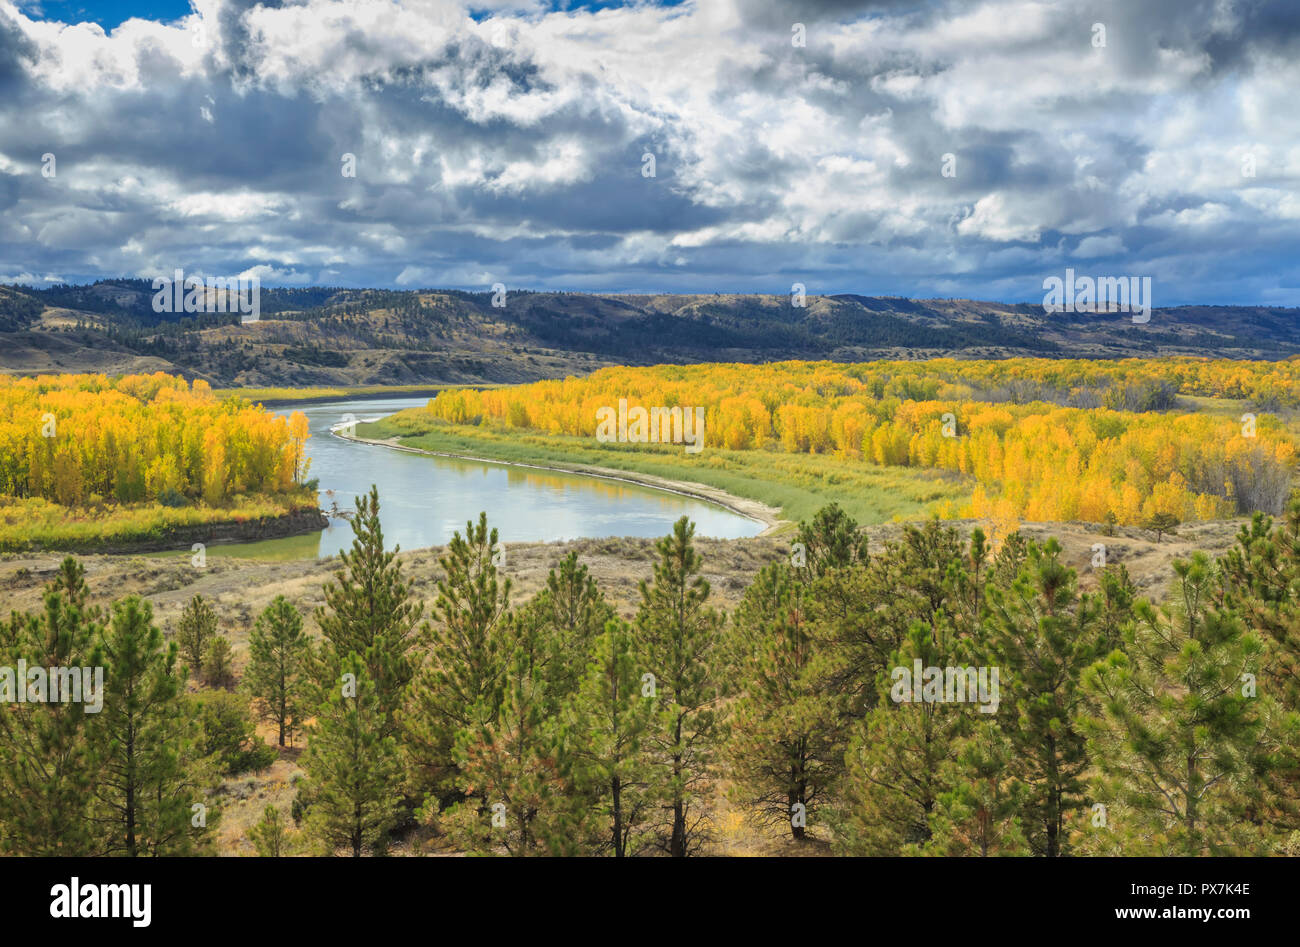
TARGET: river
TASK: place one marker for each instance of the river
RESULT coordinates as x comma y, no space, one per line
424,499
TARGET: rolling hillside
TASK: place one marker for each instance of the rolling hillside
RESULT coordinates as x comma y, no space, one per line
356,337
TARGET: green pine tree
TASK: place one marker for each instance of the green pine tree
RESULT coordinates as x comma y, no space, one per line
270,834
228,735
610,716
897,759
1042,635
833,540
461,684
1259,579
568,614
369,611
197,626
47,763
1161,523
861,614
786,739
1176,733
149,773
353,770
1117,595
980,814
277,651
218,665
678,634
513,774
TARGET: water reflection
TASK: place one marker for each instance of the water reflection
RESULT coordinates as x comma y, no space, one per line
425,499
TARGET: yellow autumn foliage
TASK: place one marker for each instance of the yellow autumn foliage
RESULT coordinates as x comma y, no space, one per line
89,439
1042,439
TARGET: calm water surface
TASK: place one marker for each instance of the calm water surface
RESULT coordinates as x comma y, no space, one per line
423,499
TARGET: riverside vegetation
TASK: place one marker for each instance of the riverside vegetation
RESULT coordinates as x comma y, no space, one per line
554,726
89,460
1129,442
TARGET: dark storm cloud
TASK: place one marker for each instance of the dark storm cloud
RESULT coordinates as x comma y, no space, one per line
512,146
16,55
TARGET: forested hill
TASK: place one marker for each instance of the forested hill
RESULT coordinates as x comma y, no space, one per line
320,335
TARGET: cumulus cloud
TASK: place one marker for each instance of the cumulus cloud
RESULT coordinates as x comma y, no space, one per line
918,147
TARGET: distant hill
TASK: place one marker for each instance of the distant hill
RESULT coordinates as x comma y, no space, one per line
322,335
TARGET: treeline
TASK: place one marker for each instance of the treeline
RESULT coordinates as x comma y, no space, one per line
1103,723
136,775
86,439
1030,458
131,300
17,310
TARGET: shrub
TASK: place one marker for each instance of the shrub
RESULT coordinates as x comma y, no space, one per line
170,496
229,736
270,835
217,670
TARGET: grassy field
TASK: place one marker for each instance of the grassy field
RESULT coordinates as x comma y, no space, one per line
33,523
798,484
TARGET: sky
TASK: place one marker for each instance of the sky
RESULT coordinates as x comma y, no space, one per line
931,148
